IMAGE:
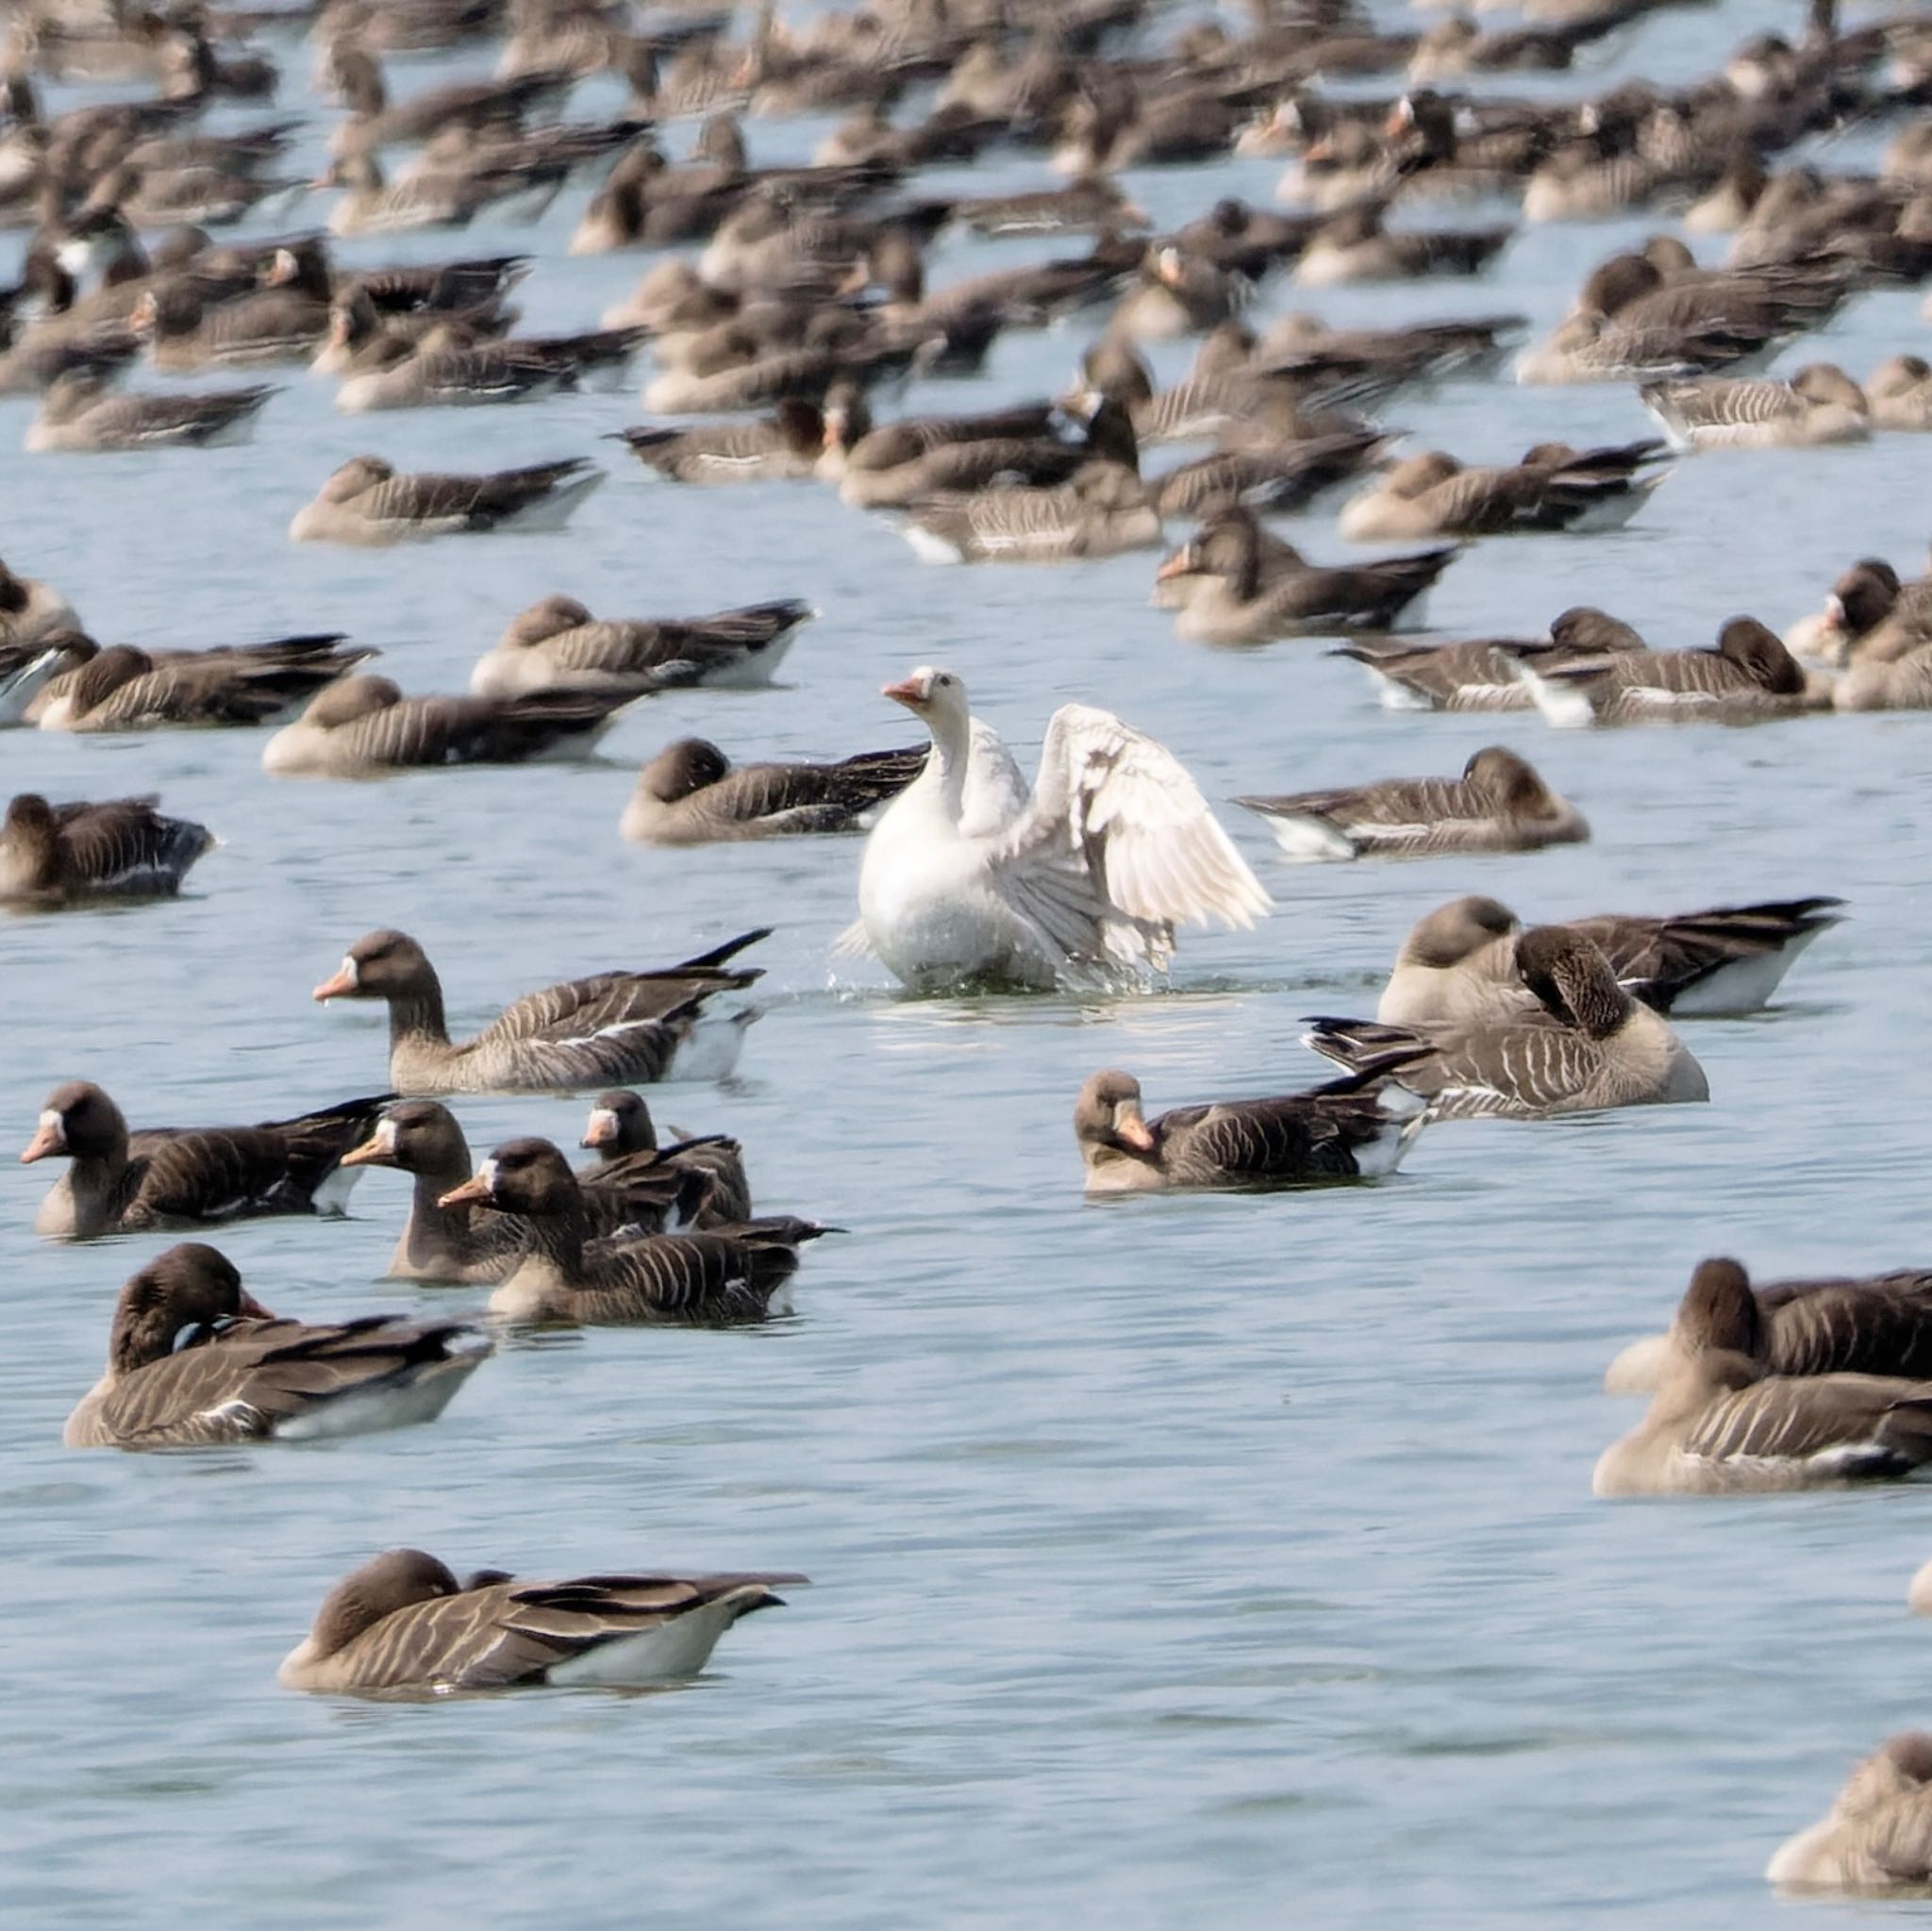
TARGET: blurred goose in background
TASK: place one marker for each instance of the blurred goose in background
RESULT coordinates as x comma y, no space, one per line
126,688
1355,247
787,444
445,371
726,1277
691,794
195,1361
1501,803
1459,962
1586,1046
402,1623
185,336
1553,487
957,462
557,644
1724,1419
1355,1128
430,196
1899,393
1483,673
1229,601
968,878
364,727
631,1025
620,1128
171,1176
83,414
366,500
1257,471
1869,616
466,1243
1871,1324
71,854
1747,677
1819,404
1876,1838
1889,684
32,610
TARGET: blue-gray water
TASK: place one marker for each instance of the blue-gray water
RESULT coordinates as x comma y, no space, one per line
1184,1560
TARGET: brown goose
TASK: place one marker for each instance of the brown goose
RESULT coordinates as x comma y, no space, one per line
997,465
83,414
615,1025
194,1360
364,727
123,688
1459,962
725,1277
67,854
184,337
557,644
1899,392
32,610
1876,1838
691,794
403,1625
1749,677
366,500
1262,471
1500,804
1901,684
447,369
786,446
1724,1421
1819,404
1355,247
1877,1324
173,1177
1351,1129
1586,1045
474,1243
1551,489
620,1128
1102,513
1482,673
1229,602
1869,616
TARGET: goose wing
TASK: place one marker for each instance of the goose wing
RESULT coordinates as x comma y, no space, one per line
1868,1424
1877,1326
1660,958
577,1007
815,797
716,1278
126,845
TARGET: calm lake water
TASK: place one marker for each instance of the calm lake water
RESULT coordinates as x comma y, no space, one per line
1176,1561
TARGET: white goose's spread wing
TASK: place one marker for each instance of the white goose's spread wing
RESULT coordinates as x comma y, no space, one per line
1117,829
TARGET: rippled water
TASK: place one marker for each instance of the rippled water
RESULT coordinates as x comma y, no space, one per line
1177,1560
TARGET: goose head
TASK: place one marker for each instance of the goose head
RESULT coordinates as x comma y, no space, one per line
31,829
1510,782
1860,600
937,697
1825,383
353,478
414,1137
521,1176
1758,651
1107,1120
189,1287
1583,627
542,621
1454,932
80,1121
1898,375
1719,1313
681,768
380,965
619,1123
398,1579
1415,475
1571,981
349,699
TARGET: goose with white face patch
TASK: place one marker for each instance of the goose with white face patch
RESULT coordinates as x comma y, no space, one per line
404,1624
967,879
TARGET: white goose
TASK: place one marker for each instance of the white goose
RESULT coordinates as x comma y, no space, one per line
968,878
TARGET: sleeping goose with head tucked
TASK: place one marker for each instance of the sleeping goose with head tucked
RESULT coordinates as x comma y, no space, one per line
403,1624
1876,1838
967,879
195,1361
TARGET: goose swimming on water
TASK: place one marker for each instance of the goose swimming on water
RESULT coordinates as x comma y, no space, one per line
967,877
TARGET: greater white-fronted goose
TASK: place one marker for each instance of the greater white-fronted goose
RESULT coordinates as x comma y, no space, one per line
125,689
119,849
1554,488
614,1025
1896,684
83,414
1722,1420
463,1242
196,1361
691,794
1103,511
620,1128
1228,600
892,446
1355,247
1587,1046
1748,677
725,1277
445,371
1261,471
1093,203
1483,673
366,500
557,644
375,122
967,877
431,196
960,464
1870,1325
173,1176
364,727
1355,1128
1869,616
185,336
1819,404
1876,1838
30,610
1459,962
1501,803
403,1624
786,446
1899,393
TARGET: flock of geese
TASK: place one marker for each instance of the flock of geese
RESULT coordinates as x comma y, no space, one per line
798,307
